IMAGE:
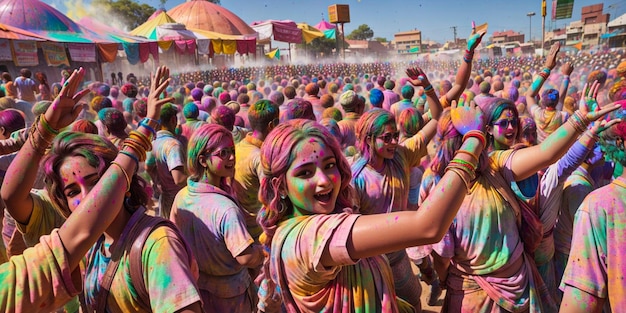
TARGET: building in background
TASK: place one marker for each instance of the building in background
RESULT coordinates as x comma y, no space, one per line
367,48
616,33
409,42
506,36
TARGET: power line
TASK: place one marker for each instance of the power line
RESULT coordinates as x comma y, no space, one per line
454,30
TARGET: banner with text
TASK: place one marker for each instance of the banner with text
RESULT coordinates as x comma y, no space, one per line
54,53
24,53
5,50
564,9
82,52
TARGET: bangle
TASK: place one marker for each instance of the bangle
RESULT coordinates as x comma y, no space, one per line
543,75
579,122
546,70
428,88
591,135
150,124
125,175
462,163
478,135
473,156
47,126
460,173
132,156
33,142
468,56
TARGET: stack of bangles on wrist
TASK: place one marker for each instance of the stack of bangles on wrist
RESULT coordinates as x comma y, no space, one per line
466,170
41,131
468,56
138,143
579,121
429,89
150,124
592,135
545,72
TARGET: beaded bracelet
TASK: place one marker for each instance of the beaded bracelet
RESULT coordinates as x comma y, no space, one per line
478,135
125,175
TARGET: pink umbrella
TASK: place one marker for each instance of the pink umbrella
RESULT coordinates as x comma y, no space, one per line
323,25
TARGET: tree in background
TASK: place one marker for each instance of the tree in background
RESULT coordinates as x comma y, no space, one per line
363,32
129,12
321,45
380,39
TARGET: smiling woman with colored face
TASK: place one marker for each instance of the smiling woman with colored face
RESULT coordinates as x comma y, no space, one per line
321,256
212,222
82,179
381,172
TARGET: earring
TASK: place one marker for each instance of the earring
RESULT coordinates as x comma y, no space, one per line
283,197
283,207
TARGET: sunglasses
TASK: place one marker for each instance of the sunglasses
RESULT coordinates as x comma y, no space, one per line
225,153
388,137
505,123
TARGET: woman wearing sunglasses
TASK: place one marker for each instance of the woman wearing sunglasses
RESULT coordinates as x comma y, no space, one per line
484,258
212,222
381,173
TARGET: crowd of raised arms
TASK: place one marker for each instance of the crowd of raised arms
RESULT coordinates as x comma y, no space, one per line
318,188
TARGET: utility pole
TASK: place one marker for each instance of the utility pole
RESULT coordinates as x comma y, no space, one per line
543,26
454,30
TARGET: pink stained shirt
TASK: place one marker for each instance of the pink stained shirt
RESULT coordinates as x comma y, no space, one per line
364,285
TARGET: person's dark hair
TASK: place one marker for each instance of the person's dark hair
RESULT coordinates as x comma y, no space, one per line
290,92
25,73
99,152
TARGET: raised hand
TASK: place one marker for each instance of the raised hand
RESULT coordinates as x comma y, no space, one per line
567,69
474,38
588,102
158,83
417,77
467,117
64,109
554,52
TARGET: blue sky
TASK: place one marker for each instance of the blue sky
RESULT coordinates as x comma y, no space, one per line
386,17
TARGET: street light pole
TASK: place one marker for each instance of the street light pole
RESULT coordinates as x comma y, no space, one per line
530,25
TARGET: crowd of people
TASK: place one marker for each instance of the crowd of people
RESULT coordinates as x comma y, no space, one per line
318,188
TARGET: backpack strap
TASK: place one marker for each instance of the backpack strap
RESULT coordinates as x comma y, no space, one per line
140,233
116,255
